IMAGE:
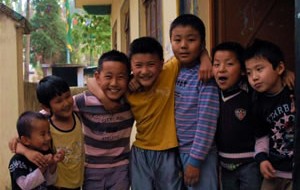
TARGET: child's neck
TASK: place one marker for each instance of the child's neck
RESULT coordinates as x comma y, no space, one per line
63,123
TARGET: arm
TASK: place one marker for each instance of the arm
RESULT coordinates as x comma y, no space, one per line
31,180
50,172
205,71
34,156
208,111
261,156
289,79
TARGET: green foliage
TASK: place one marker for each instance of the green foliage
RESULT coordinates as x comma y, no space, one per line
91,36
48,35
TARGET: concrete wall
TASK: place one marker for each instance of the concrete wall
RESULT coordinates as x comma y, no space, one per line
11,90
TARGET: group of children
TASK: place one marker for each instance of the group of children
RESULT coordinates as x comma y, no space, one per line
187,129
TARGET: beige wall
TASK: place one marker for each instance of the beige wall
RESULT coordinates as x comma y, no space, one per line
11,92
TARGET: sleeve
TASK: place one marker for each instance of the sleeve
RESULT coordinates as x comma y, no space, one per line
261,149
32,180
50,178
208,112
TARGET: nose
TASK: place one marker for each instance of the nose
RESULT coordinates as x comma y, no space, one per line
254,76
113,81
222,68
48,137
183,44
144,70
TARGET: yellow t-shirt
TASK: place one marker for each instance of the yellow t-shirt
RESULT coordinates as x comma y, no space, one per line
153,111
70,170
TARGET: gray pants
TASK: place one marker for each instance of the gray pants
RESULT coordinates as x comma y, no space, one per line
116,178
155,170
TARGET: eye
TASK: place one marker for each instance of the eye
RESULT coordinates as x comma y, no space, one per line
176,40
107,76
137,65
216,65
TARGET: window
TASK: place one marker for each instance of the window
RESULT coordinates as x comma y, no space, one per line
189,6
153,18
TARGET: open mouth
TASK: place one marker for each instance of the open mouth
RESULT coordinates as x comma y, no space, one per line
222,79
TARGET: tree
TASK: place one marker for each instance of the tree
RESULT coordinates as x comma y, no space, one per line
48,35
91,35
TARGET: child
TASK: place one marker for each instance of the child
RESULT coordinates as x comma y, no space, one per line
274,108
235,135
196,105
107,134
34,133
154,161
55,97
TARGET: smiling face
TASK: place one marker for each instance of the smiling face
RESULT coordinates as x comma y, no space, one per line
186,44
226,69
113,79
40,138
263,77
62,106
146,68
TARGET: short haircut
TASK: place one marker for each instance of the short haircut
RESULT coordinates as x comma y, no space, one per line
145,45
49,87
189,20
25,122
114,55
267,50
233,47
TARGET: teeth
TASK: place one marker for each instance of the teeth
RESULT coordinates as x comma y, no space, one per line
222,78
114,90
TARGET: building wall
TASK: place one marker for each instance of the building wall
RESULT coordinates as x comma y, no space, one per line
11,92
170,10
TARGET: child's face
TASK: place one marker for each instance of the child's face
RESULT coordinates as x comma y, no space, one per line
262,77
186,44
226,69
146,68
40,138
113,79
62,106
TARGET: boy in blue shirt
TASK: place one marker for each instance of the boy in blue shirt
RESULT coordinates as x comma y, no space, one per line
196,105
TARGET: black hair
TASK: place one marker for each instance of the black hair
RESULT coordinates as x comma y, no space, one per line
49,87
146,45
267,50
233,47
190,20
24,123
114,55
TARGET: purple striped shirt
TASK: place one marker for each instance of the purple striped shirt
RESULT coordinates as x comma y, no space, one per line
196,113
106,135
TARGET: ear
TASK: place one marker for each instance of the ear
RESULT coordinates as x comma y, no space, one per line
280,68
25,140
97,75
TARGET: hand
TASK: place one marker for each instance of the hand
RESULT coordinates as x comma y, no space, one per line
205,71
267,169
191,175
12,144
289,79
37,158
134,85
59,156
